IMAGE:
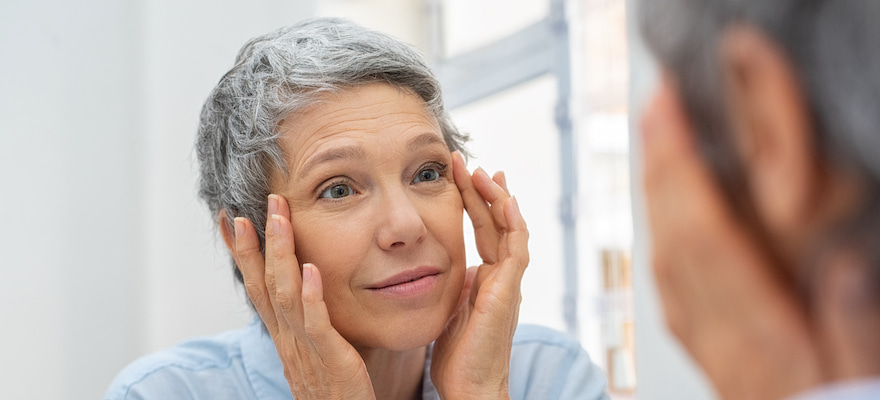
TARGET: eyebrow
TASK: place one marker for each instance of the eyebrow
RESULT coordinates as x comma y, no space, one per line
356,152
337,153
424,140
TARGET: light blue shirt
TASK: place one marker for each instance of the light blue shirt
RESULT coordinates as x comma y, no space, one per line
243,364
867,389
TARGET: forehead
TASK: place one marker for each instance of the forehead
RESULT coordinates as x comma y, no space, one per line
373,114
368,105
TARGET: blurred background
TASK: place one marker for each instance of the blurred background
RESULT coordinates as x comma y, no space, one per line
108,254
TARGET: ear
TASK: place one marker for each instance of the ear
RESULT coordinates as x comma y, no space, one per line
227,231
772,126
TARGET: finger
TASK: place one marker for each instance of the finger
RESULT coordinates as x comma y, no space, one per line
672,167
316,318
477,209
507,277
674,309
514,262
250,262
497,197
494,194
672,164
662,127
501,179
470,274
283,280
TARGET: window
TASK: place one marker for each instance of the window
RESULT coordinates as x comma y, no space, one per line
542,86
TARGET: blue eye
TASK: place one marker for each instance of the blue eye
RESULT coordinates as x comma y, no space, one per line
427,175
337,191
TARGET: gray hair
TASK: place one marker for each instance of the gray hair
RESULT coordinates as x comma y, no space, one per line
278,74
833,45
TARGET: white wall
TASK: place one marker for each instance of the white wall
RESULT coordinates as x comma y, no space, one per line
188,46
664,370
107,254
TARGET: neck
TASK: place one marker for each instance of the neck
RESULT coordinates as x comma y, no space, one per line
395,374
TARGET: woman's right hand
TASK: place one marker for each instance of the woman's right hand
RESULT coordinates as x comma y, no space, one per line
721,297
318,362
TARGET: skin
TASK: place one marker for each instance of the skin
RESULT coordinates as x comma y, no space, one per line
388,199
728,298
388,224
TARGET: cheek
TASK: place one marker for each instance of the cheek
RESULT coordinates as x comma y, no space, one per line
444,220
332,244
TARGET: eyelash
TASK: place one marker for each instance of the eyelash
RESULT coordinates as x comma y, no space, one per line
440,167
337,181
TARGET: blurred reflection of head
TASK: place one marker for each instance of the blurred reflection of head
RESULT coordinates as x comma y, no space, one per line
811,193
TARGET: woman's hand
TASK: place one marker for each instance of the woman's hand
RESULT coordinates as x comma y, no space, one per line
471,357
720,295
318,362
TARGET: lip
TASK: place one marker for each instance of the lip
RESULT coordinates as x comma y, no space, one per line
408,283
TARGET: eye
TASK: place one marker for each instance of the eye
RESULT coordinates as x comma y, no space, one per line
337,191
427,175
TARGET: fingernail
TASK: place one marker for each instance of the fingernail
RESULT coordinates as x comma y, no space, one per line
273,204
514,204
275,224
307,272
238,226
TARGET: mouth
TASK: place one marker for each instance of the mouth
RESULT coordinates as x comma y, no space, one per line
408,283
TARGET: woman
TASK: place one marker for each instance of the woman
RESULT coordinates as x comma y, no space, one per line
356,262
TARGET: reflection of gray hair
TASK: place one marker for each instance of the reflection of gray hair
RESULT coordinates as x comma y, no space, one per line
833,44
283,72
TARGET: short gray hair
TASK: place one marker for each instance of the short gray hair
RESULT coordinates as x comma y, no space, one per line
280,73
833,45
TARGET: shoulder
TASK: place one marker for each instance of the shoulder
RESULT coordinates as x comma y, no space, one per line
549,364
193,369
541,335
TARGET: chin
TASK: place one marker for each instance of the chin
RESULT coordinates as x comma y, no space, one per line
405,332
417,331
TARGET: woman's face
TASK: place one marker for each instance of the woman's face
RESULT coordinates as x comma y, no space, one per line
374,206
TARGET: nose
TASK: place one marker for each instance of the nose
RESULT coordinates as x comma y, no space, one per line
400,223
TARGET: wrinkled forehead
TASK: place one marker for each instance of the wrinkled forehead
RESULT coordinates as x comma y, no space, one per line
372,114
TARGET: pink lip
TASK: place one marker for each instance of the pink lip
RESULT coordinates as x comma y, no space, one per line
408,283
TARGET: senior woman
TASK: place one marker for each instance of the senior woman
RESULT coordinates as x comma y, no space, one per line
337,182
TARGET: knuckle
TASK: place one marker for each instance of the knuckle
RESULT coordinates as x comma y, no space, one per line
286,300
520,259
310,298
255,292
313,329
247,250
271,281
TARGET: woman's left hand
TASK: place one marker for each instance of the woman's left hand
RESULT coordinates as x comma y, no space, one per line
471,357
